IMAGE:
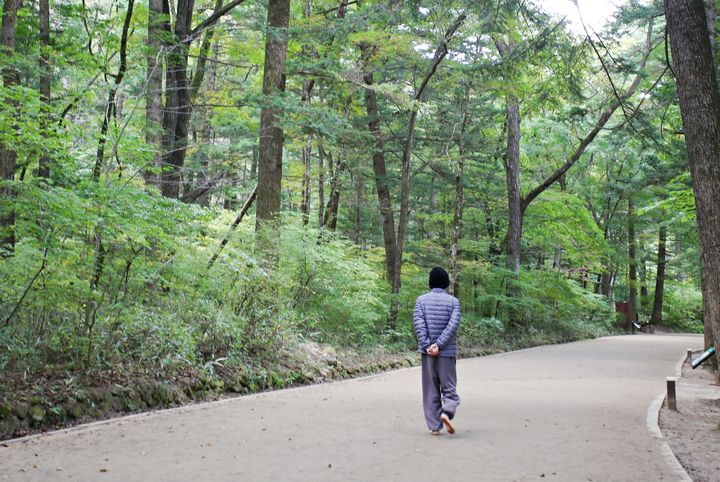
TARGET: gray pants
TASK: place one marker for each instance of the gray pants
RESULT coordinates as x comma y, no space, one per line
439,377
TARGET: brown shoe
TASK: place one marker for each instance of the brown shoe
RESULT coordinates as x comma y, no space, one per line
446,421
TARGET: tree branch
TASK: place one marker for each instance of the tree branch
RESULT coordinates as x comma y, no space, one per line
208,22
237,222
604,117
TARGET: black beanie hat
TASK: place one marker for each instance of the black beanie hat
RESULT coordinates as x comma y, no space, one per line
439,278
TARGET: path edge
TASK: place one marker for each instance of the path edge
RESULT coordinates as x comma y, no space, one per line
653,417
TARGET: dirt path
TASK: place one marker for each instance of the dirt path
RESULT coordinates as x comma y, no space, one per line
569,412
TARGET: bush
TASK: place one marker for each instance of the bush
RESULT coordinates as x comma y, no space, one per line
683,308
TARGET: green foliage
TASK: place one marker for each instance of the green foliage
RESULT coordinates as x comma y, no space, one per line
110,273
683,308
559,221
336,290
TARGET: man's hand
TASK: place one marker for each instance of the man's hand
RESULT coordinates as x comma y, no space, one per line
433,350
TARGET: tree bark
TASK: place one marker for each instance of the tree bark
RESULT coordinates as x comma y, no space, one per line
178,92
381,177
632,264
656,317
700,108
307,160
8,156
511,163
642,268
307,148
710,16
359,202
157,25
321,182
512,179
45,80
176,115
271,134
459,197
254,164
333,204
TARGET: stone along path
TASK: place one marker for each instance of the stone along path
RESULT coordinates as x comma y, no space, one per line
581,411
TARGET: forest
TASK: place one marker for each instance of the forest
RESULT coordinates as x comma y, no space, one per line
202,196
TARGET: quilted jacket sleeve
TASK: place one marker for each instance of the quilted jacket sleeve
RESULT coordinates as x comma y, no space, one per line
420,326
452,326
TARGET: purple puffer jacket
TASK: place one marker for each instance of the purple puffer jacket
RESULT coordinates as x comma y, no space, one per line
436,319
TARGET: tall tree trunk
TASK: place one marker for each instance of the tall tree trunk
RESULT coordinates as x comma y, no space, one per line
656,317
632,263
8,156
359,201
176,116
605,283
700,108
432,208
254,164
45,80
711,16
381,178
157,25
179,90
271,134
511,163
512,178
643,275
459,197
321,182
307,160
333,204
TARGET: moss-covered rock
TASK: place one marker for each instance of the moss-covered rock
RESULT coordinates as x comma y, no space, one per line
22,410
147,394
236,383
116,403
162,393
9,426
57,414
179,395
215,384
37,415
73,409
132,401
101,398
6,411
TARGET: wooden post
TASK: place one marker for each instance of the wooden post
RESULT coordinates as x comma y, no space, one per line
689,355
671,397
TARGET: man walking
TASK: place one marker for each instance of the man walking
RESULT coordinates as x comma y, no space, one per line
436,319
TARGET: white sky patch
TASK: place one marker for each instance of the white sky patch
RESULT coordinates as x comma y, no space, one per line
595,13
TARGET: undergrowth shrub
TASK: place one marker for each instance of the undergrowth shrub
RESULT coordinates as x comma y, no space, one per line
683,308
